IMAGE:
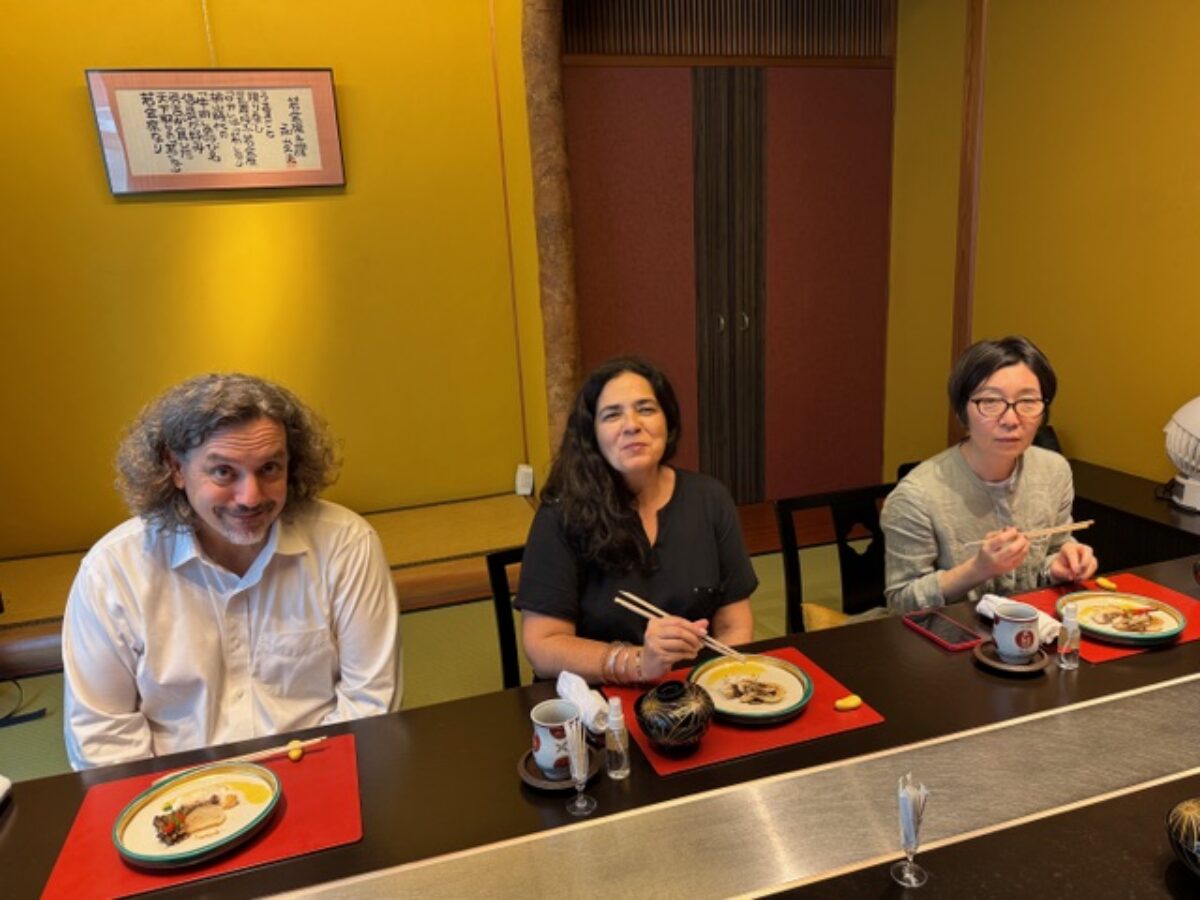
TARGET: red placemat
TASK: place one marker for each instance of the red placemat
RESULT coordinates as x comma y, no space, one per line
1100,652
320,809
724,742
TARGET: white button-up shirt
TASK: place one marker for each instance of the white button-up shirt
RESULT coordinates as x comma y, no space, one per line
164,650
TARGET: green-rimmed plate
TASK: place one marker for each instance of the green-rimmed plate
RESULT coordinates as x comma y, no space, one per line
246,794
761,691
1120,618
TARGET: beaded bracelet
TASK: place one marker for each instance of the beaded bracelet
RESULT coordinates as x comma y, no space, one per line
636,653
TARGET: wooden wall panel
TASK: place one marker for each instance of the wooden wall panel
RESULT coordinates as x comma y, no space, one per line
796,29
828,176
629,142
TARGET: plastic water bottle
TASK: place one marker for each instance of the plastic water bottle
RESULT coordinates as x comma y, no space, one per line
616,741
1068,639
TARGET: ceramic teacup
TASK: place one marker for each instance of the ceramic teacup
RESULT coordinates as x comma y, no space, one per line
1016,632
550,751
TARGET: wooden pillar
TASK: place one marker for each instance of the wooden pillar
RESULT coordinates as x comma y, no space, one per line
968,189
541,46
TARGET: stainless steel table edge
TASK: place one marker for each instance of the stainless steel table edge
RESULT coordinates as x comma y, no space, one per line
842,809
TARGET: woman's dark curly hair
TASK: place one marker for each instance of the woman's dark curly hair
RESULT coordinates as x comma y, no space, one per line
188,414
596,509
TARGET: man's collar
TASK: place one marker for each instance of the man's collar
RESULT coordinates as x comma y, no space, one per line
290,540
185,547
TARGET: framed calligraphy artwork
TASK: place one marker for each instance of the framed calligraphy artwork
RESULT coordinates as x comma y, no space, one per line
216,129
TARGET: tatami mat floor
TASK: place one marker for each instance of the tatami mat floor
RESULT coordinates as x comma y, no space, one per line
449,653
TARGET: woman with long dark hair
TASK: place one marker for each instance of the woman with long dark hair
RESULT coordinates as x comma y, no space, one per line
954,527
615,516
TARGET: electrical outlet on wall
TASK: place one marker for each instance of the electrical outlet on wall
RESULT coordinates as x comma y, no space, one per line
524,479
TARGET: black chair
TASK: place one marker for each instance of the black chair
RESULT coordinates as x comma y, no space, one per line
1047,438
497,567
862,573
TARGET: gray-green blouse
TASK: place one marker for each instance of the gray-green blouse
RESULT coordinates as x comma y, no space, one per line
941,506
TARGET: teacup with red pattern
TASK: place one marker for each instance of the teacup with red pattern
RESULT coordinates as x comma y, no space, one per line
550,718
1016,632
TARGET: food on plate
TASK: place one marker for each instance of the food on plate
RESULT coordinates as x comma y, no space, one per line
1131,619
194,814
847,703
751,690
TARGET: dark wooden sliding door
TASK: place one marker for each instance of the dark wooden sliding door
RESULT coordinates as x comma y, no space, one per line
730,178
728,159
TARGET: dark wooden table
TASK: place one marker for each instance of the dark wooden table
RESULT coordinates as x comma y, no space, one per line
421,769
1116,848
1134,527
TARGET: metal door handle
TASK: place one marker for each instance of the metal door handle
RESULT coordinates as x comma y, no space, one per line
745,321
720,324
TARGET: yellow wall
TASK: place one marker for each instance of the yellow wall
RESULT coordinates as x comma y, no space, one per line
1090,210
392,306
519,183
925,154
1090,195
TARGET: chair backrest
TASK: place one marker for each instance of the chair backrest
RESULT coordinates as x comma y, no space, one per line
497,567
855,515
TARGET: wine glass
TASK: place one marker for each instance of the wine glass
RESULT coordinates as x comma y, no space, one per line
912,809
907,872
577,751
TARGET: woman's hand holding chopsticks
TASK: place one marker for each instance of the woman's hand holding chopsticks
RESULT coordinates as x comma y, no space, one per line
1001,551
670,640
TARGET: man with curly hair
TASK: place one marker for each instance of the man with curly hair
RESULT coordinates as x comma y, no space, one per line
234,604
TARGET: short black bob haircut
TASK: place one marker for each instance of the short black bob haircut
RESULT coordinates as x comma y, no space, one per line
983,359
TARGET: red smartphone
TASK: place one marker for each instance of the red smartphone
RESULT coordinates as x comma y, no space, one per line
942,630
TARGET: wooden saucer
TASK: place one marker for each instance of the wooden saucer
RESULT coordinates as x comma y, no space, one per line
987,656
532,775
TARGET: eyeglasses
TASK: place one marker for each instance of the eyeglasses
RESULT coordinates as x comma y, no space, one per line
996,407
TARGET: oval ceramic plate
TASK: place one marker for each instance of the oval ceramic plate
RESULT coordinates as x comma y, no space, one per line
1114,617
736,689
235,799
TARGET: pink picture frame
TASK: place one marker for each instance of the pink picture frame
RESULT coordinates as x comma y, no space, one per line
216,129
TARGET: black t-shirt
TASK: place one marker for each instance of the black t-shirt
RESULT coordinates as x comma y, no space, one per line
702,565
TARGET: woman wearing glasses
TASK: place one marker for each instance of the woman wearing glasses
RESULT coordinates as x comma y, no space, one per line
990,488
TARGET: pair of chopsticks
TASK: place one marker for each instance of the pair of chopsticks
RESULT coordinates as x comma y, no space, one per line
1045,532
648,610
268,753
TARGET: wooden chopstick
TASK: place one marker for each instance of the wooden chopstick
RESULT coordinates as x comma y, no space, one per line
712,643
648,610
281,750
268,753
1045,532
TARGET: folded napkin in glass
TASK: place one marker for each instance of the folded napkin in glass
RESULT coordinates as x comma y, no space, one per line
592,706
1048,626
